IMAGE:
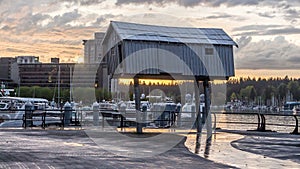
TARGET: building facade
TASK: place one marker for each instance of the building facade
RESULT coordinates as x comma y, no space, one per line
64,75
27,59
6,71
28,71
93,49
6,68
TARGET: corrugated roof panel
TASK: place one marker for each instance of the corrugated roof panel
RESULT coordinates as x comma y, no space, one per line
132,31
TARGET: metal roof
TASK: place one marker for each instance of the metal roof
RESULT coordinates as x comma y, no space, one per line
133,31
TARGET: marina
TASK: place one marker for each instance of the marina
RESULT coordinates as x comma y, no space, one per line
149,95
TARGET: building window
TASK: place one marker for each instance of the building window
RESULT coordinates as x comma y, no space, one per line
209,51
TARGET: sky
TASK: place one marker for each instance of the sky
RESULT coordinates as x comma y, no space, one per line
267,31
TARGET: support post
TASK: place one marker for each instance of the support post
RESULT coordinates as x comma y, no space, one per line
207,113
296,126
139,127
198,122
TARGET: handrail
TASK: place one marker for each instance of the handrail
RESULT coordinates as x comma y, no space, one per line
262,120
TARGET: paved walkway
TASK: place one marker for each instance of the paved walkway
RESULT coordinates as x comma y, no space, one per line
74,149
251,149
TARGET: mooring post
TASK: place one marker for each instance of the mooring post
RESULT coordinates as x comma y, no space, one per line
28,115
67,114
96,107
139,127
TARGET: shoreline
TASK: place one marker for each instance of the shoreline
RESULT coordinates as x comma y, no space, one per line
235,148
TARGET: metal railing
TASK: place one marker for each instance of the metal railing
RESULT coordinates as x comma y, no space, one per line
163,119
43,118
157,119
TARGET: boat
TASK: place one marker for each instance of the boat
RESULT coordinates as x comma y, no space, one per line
288,107
4,106
189,107
296,109
13,109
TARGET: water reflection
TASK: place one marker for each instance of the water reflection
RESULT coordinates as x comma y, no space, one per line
208,137
198,145
208,144
207,147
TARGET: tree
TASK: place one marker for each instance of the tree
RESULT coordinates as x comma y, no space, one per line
248,93
282,90
252,94
26,91
233,96
269,92
293,87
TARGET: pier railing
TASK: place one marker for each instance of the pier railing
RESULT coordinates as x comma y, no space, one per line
261,120
256,120
43,118
165,119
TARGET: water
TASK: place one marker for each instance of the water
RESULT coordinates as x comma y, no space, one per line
222,151
282,124
253,149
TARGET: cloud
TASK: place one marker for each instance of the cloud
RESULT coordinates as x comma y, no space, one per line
192,3
292,15
219,16
267,14
104,20
262,30
157,2
255,27
84,2
31,21
243,41
267,54
15,50
281,31
62,20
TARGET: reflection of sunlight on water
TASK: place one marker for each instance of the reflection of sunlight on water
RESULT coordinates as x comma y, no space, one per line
275,123
156,130
222,152
73,144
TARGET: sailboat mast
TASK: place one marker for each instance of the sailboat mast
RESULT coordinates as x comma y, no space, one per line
58,86
71,84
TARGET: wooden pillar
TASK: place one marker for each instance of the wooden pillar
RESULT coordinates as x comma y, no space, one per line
198,121
139,127
207,113
197,106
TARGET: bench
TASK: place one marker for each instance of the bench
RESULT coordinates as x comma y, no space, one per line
45,117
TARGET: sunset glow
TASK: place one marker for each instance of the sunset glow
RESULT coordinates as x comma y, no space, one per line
267,32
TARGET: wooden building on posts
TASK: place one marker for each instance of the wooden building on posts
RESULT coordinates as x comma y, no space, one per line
159,52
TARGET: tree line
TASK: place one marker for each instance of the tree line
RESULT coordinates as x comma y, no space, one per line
265,91
250,91
83,94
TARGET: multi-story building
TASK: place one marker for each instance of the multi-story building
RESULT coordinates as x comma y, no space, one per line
60,74
45,74
27,59
93,49
28,71
6,70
